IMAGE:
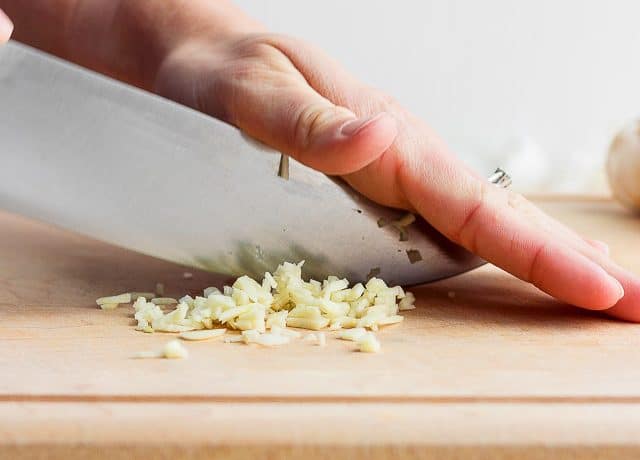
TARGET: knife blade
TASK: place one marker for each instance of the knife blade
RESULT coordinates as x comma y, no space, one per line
101,158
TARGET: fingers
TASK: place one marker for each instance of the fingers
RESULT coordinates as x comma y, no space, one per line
276,105
498,231
494,224
628,307
6,28
545,222
306,126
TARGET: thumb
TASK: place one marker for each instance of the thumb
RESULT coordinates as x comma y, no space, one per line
329,138
6,27
268,98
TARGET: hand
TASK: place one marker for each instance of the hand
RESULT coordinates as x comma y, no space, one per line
291,96
6,28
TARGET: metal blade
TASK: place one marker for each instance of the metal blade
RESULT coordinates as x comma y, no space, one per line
101,158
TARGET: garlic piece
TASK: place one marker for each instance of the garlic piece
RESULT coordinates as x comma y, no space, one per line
271,340
164,301
171,350
174,350
114,299
146,295
314,324
205,334
211,290
277,330
354,334
277,319
407,302
368,343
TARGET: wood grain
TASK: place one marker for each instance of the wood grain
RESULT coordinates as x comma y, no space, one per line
500,369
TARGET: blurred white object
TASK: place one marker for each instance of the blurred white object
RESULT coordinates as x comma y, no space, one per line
623,166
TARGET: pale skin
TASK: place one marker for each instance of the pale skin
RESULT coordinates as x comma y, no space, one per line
209,55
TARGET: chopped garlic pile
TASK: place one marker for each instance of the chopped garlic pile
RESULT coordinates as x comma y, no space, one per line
281,300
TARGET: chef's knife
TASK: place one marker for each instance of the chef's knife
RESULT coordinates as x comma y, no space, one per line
99,157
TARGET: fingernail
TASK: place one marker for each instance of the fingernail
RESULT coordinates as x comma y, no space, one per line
353,127
619,286
6,27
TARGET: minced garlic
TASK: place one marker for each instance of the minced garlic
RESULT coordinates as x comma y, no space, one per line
264,311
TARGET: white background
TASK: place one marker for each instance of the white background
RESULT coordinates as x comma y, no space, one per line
538,86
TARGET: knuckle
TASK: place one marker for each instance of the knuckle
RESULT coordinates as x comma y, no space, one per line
255,45
312,120
534,272
466,231
306,121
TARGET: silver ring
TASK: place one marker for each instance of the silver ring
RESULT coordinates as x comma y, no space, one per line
500,178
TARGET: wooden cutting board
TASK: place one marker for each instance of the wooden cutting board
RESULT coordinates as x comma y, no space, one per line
486,366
